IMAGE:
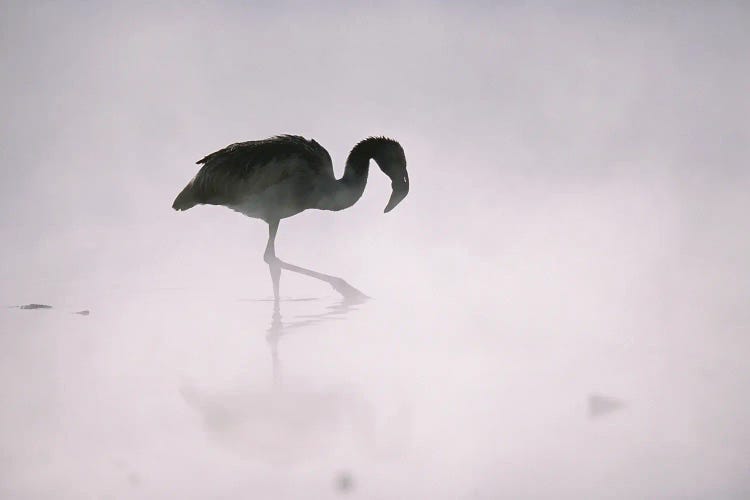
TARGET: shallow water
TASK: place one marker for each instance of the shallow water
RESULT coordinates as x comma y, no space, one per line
170,392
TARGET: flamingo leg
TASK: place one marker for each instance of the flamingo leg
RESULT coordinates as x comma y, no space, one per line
270,257
340,285
275,265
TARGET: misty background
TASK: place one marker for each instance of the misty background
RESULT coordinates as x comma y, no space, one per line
576,226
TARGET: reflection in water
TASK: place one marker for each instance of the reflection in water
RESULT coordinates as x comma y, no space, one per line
278,329
287,424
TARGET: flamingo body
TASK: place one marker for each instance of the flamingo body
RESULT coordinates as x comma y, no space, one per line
276,178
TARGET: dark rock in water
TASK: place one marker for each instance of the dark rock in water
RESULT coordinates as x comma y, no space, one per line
344,482
84,312
600,406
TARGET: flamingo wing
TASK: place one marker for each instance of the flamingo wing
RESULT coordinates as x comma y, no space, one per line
247,168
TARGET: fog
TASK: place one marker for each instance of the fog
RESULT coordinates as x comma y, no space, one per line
558,309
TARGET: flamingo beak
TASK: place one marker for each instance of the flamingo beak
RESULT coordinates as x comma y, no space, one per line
400,188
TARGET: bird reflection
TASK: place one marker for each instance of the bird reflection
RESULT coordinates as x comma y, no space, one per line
350,298
287,424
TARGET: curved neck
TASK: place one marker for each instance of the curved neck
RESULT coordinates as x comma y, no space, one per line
355,173
346,191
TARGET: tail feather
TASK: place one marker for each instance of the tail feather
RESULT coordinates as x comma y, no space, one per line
185,199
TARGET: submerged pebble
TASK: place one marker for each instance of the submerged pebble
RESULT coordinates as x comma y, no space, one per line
600,406
344,482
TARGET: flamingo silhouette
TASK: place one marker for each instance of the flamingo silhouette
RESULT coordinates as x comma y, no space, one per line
279,177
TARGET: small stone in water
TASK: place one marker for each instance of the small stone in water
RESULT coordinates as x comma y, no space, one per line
344,482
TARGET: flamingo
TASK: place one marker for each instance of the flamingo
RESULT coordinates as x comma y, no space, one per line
278,177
